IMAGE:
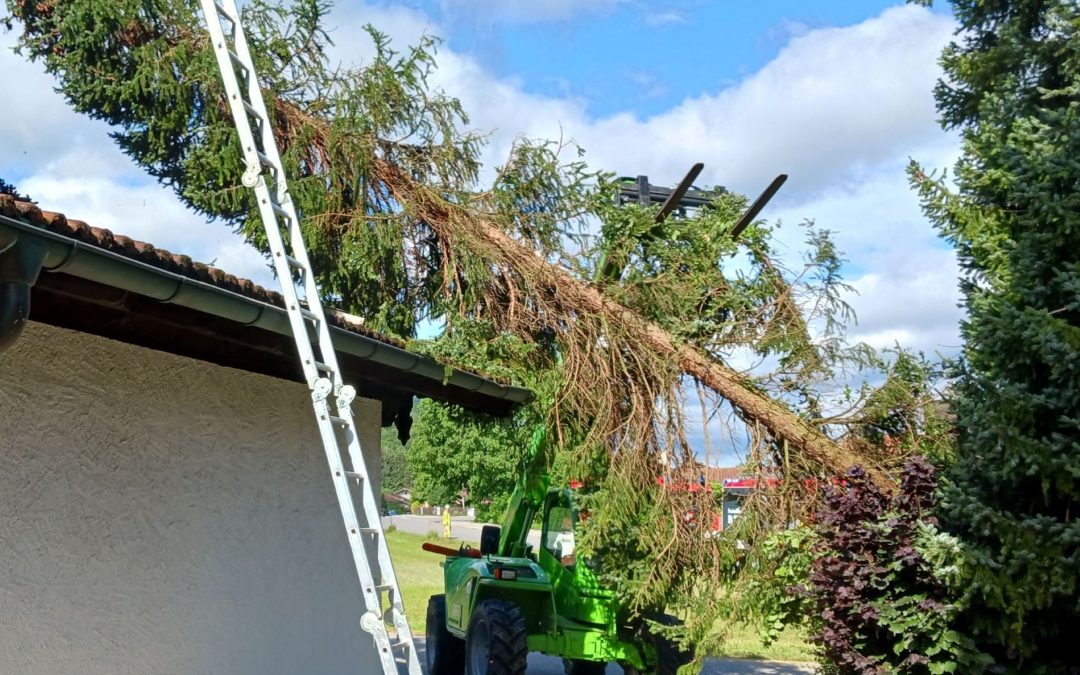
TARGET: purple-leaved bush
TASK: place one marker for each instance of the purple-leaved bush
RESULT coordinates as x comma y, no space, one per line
880,606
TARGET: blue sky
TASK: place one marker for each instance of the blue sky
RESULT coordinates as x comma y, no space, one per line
837,94
644,57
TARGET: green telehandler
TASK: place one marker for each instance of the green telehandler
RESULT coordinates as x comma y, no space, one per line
505,599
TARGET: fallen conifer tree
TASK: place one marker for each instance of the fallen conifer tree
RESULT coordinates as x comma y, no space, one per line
386,179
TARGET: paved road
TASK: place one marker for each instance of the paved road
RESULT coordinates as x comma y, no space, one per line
540,664
462,527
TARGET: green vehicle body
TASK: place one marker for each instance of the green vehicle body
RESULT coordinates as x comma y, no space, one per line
568,613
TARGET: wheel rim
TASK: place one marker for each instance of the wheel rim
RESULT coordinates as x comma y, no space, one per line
478,648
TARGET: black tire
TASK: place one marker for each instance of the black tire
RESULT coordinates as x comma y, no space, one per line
497,640
444,654
583,667
669,657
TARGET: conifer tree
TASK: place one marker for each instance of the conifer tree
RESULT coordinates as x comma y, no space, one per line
383,171
1012,88
7,188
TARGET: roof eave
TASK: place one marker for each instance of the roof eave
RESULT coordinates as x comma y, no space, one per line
74,258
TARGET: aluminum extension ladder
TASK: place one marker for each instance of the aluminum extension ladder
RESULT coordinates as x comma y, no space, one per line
265,173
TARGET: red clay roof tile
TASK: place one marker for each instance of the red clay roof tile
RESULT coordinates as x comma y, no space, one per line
160,258
718,474
147,253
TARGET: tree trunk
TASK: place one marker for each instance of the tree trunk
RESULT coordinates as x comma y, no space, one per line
781,423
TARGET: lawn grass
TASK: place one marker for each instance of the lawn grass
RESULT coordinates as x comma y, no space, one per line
742,642
418,572
421,576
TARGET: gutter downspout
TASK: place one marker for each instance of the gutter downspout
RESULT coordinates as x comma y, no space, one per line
20,263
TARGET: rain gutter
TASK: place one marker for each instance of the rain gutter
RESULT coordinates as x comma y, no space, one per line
20,262
25,250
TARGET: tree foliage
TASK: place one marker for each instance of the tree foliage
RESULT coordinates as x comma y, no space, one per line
882,580
7,188
872,578
146,68
395,471
1011,87
452,449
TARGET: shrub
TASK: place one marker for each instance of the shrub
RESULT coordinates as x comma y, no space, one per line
776,594
882,580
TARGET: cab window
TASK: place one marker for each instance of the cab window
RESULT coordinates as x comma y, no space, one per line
559,535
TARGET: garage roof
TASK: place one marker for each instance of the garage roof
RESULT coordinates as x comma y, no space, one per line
98,282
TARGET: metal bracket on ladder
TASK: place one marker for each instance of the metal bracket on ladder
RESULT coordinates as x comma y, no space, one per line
266,174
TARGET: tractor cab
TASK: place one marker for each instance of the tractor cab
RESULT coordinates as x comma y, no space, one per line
572,576
578,593
558,539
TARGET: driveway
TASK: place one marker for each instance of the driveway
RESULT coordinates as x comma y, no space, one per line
541,664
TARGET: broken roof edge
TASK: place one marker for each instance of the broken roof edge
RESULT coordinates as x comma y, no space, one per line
94,263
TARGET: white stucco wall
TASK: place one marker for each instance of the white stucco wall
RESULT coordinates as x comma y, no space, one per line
163,515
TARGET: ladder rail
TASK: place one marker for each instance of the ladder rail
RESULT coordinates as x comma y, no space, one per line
320,369
253,178
280,195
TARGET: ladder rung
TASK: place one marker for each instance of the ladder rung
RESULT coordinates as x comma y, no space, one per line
265,160
309,315
251,110
384,587
368,530
399,645
233,56
338,420
353,474
222,11
324,367
280,210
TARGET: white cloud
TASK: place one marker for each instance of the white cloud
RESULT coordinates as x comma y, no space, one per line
352,46
36,120
145,212
665,18
833,102
913,305
528,11
904,275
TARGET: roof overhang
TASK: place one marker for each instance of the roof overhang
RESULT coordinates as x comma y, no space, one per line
83,287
